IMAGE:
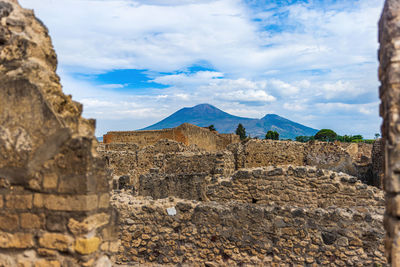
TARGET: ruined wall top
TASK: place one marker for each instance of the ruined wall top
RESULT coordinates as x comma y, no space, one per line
186,133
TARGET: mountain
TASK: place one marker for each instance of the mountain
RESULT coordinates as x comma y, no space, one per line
204,115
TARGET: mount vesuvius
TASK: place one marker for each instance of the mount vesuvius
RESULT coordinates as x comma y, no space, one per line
204,115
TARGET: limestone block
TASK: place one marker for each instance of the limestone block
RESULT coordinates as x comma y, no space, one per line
9,222
7,260
19,201
89,224
24,263
16,240
56,241
66,202
87,245
50,181
31,221
46,263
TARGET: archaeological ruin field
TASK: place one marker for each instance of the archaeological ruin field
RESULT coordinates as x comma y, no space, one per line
185,196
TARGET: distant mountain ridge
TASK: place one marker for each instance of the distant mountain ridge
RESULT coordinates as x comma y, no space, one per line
204,115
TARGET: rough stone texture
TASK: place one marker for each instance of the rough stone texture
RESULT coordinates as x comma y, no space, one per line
233,234
128,162
165,156
305,186
378,163
49,168
186,133
389,92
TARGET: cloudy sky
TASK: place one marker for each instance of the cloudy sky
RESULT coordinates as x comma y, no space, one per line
134,62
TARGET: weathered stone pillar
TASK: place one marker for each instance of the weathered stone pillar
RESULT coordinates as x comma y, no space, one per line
389,75
54,192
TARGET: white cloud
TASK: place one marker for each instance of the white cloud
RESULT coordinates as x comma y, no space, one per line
246,96
294,106
318,55
340,89
184,79
283,87
112,86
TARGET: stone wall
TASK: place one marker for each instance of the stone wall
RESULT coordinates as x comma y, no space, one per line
261,217
285,185
191,233
186,133
325,155
259,153
389,92
166,157
54,190
173,157
378,163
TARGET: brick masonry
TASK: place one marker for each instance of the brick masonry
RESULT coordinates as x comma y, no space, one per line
54,189
389,92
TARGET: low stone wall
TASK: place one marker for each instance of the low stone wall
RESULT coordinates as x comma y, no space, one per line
260,153
186,133
324,155
189,233
305,186
173,157
167,157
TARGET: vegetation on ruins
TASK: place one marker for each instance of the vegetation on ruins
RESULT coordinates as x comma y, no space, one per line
330,136
241,131
212,128
272,135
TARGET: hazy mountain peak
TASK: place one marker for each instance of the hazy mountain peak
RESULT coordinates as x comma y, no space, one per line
205,114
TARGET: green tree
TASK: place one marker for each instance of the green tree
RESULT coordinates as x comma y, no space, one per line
377,135
325,135
272,135
347,138
241,131
212,128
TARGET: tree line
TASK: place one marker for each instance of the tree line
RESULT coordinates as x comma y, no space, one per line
329,135
326,135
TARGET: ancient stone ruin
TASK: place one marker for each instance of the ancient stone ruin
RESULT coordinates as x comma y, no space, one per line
186,133
67,201
253,203
54,190
389,92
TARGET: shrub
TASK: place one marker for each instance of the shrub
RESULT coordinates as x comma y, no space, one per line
212,128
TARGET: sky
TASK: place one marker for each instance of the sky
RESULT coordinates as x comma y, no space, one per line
134,62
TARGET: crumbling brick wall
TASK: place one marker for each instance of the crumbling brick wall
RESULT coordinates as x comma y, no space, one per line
186,133
172,157
166,157
282,185
178,231
389,92
54,191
